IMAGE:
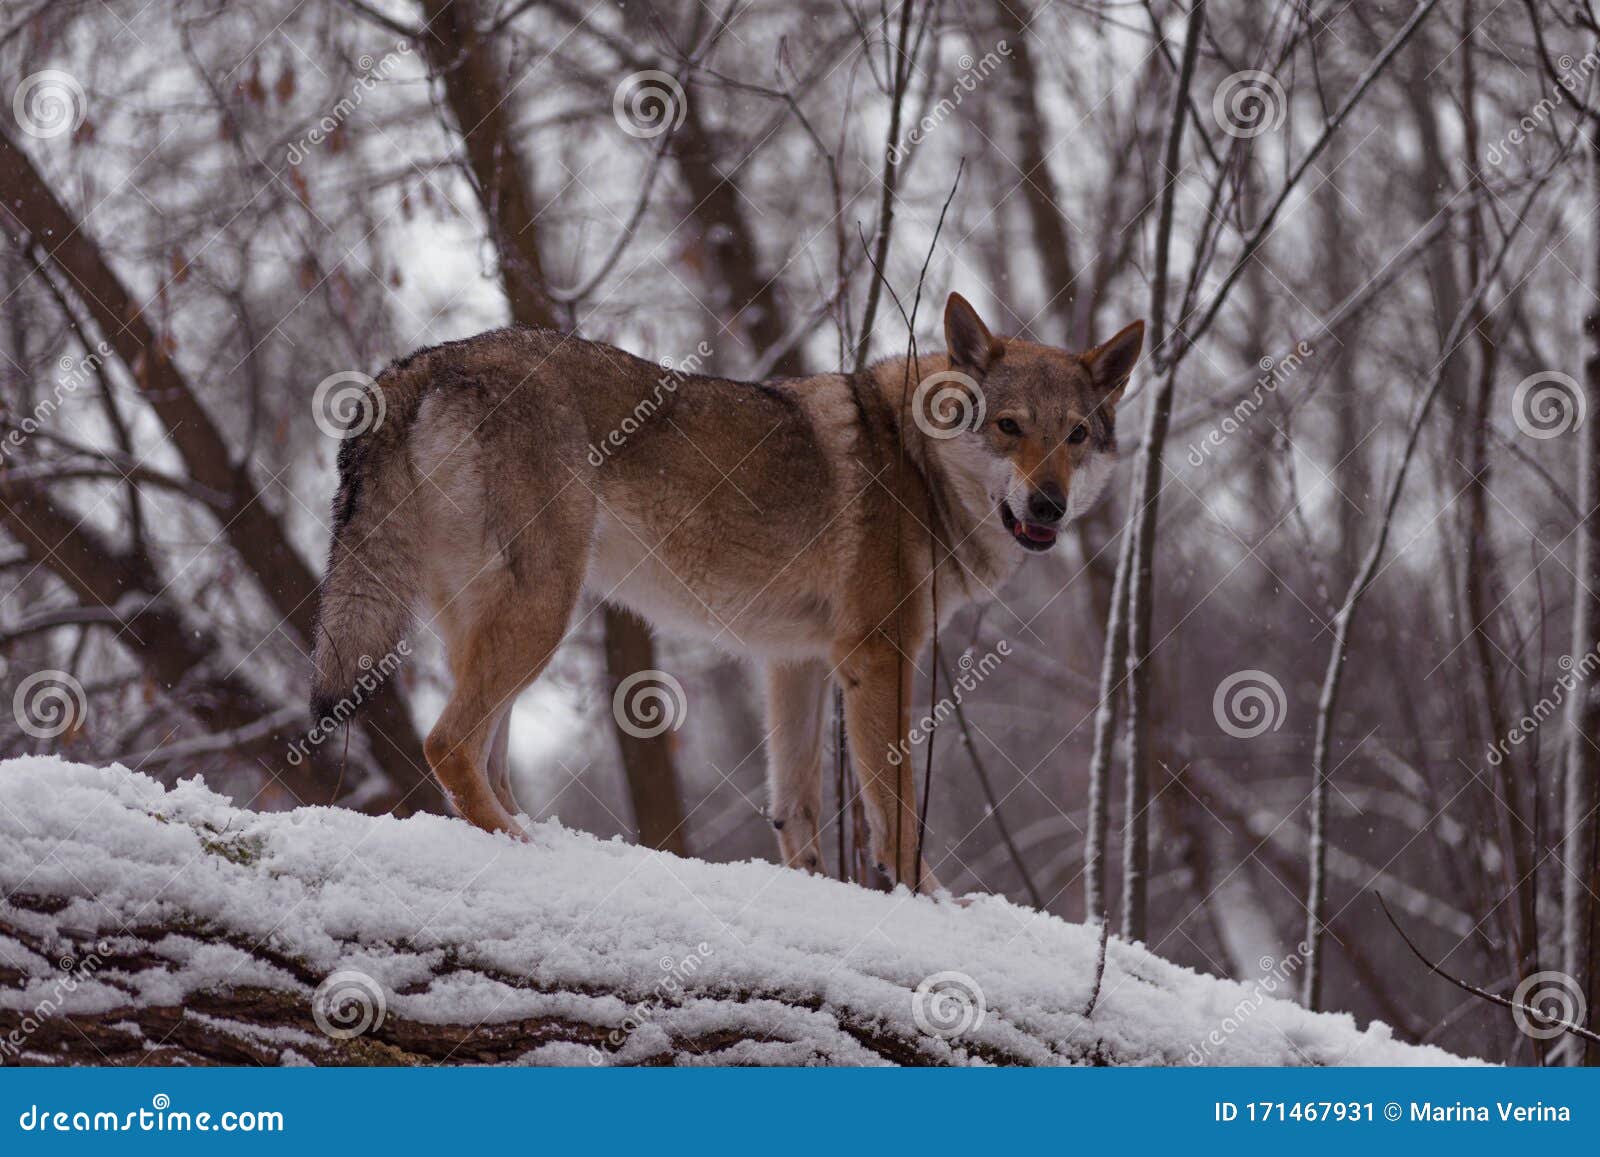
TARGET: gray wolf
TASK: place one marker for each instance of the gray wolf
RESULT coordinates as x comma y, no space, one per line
818,525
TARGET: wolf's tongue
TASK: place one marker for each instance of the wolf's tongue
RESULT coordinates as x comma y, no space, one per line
1038,533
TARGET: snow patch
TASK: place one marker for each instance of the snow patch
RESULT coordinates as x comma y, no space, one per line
456,925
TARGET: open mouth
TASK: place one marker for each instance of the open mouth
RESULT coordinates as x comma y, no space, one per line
1030,535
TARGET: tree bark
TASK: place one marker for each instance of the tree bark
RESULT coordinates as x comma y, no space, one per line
1580,938
252,1025
1096,904
474,88
1040,196
1139,550
646,762
733,257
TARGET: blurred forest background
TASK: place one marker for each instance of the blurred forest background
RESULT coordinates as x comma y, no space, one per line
1329,637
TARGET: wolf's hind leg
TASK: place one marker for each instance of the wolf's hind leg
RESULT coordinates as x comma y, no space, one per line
796,694
502,653
505,548
505,645
500,762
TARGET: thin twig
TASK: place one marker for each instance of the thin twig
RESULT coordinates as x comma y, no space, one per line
1540,1018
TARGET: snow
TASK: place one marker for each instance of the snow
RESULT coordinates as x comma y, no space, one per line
602,932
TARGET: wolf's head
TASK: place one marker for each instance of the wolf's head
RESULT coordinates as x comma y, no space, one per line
1036,439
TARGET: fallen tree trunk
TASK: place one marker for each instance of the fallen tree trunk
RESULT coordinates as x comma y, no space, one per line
253,1025
152,925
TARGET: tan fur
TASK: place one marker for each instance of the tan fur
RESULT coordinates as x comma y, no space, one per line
800,522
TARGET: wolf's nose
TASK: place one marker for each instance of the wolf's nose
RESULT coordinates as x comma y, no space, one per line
1047,504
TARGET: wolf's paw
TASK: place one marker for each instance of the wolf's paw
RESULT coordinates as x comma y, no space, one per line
799,844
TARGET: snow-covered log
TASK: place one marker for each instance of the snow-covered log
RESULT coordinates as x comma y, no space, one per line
155,925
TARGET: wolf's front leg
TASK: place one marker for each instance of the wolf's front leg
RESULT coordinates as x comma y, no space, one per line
877,710
796,695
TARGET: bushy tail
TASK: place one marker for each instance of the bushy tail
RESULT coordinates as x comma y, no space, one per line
372,585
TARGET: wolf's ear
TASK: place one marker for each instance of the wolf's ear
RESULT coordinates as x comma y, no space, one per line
969,341
1112,361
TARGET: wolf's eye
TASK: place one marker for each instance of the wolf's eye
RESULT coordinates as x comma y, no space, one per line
1079,433
1009,426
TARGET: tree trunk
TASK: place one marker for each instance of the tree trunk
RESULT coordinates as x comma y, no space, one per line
1096,904
646,761
249,1024
1579,942
1139,552
1040,196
